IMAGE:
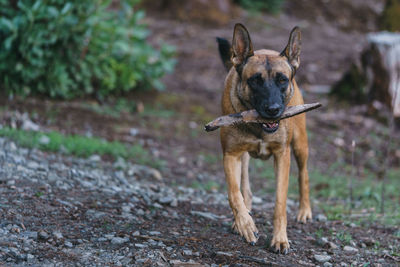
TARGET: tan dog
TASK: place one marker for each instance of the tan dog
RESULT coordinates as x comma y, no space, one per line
263,80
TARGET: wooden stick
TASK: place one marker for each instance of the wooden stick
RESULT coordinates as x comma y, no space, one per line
252,116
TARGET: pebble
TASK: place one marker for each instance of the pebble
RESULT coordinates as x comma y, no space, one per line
323,241
322,258
165,200
43,235
327,264
154,233
332,245
119,240
321,218
44,140
350,249
187,252
68,244
58,235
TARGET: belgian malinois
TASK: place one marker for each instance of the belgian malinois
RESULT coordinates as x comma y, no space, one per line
263,80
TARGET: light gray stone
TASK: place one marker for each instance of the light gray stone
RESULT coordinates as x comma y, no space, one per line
322,258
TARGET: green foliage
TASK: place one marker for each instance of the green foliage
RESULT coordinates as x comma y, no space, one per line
80,145
272,6
66,49
352,87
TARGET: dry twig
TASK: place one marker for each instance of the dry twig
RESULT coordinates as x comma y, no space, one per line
252,116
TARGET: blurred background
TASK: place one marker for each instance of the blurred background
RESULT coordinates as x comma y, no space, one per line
135,81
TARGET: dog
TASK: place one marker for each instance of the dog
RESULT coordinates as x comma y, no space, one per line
263,80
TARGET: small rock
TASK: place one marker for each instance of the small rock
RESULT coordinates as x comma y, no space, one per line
327,264
321,218
30,235
154,233
207,215
257,200
187,252
29,125
136,233
350,249
181,160
29,257
109,236
141,245
133,131
190,263
223,253
68,244
95,158
322,258
33,165
332,245
323,241
165,200
43,235
44,140
57,235
119,240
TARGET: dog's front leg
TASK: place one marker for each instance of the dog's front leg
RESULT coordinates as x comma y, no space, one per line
280,241
243,224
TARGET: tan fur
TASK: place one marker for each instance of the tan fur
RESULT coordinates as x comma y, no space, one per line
237,143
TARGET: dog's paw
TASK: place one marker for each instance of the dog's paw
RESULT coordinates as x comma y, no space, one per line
244,225
280,243
304,215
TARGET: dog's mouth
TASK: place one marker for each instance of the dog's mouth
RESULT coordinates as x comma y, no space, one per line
270,127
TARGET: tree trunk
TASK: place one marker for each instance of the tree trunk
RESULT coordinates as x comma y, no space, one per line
381,67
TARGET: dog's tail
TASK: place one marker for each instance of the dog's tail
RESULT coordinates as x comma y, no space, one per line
224,48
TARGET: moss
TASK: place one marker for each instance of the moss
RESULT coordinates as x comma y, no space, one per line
390,16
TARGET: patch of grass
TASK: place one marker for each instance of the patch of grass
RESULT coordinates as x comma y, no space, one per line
319,233
330,187
80,146
201,113
113,110
333,190
211,158
343,237
208,186
157,111
39,194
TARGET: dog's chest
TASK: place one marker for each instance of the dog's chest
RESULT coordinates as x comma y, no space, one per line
263,150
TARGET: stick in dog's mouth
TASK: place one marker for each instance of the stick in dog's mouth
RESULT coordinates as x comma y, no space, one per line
252,116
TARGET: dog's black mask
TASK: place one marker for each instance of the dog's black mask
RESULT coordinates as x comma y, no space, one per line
268,95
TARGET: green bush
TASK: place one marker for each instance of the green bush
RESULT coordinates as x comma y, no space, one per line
68,49
272,6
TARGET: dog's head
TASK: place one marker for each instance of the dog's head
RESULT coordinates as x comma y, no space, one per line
266,76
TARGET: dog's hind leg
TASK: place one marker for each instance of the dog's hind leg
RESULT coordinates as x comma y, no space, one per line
244,182
243,224
300,148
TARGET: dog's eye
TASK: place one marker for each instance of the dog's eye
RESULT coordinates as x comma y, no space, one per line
255,80
281,79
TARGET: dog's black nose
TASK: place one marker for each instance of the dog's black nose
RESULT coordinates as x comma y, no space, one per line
273,109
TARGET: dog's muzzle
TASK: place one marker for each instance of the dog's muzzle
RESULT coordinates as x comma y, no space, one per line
270,127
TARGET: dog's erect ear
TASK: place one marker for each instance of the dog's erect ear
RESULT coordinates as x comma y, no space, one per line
292,49
241,46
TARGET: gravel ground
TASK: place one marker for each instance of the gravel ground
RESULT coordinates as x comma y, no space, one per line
57,210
